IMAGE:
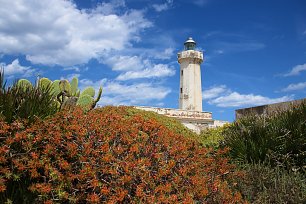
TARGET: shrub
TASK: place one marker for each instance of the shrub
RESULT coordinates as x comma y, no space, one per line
25,102
109,155
278,138
263,184
171,123
211,137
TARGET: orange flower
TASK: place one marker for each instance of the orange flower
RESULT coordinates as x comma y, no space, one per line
93,198
2,187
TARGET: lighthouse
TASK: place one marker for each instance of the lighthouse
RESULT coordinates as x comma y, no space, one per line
190,111
190,97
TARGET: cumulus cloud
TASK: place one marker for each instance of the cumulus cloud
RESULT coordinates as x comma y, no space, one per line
117,93
111,7
15,68
159,70
124,63
295,87
296,70
162,7
222,96
214,92
57,32
137,67
71,76
165,54
236,99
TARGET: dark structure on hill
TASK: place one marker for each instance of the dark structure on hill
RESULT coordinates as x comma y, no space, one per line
268,109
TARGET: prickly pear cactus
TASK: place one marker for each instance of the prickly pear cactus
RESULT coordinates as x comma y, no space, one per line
55,87
70,102
85,101
74,86
78,93
88,91
65,86
24,83
44,82
98,97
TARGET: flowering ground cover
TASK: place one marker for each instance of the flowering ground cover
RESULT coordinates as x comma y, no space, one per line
110,155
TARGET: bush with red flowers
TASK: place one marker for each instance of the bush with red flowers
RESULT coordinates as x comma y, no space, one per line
109,155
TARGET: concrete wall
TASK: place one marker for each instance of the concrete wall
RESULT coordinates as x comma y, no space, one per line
268,109
194,120
190,80
218,123
178,113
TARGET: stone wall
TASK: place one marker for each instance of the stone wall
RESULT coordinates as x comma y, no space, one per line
194,120
268,109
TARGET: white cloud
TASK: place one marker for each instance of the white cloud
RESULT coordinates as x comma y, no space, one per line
219,52
295,87
74,68
136,67
69,77
159,70
137,91
166,54
296,70
57,32
87,82
214,92
15,68
115,93
235,99
162,7
222,96
111,7
124,63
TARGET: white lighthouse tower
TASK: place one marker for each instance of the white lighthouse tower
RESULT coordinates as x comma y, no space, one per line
190,77
190,111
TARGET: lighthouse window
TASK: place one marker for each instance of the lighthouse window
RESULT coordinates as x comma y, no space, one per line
182,72
181,90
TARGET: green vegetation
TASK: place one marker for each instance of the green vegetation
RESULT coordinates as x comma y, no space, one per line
54,152
272,151
23,101
263,184
211,137
171,123
66,95
279,139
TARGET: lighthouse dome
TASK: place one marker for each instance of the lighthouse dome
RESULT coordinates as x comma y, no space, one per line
190,44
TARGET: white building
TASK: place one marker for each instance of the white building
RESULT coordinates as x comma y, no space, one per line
190,77
190,98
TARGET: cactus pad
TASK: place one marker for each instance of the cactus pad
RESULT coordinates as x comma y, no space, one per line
55,87
24,83
85,101
98,97
74,86
88,91
44,82
65,86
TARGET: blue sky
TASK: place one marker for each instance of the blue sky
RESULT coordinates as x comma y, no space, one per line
255,51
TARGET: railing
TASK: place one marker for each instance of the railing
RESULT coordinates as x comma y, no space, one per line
190,54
